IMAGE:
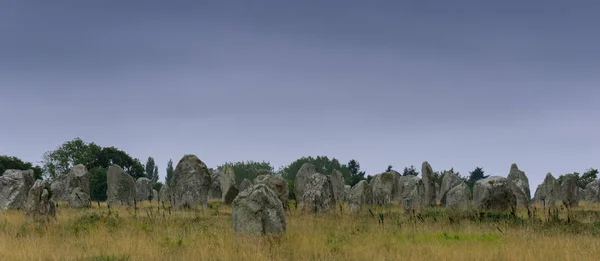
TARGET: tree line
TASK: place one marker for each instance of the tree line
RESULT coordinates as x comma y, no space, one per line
97,159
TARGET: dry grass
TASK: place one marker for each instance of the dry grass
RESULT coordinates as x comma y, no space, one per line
155,234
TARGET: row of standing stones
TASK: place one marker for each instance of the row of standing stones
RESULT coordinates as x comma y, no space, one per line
258,207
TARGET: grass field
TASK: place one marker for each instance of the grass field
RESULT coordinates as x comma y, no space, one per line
154,233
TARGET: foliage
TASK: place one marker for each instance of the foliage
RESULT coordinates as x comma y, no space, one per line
98,184
322,164
169,172
111,155
587,177
9,162
157,186
355,174
249,169
474,176
151,170
389,168
410,171
438,176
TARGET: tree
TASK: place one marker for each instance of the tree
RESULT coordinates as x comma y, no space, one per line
355,174
389,168
474,176
169,172
438,177
410,171
249,169
111,155
98,185
69,154
157,186
151,170
322,164
9,162
589,176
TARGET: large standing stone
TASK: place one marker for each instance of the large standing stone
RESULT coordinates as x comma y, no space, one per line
59,188
347,189
359,196
163,194
143,189
278,185
214,192
246,183
79,187
459,198
154,195
14,188
494,193
258,211
190,182
37,206
429,184
302,176
120,186
411,192
549,191
519,184
338,183
228,186
383,188
592,191
449,181
570,192
318,194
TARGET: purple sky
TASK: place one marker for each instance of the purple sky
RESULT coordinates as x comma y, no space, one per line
457,83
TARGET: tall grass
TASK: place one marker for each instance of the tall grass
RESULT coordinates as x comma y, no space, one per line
155,233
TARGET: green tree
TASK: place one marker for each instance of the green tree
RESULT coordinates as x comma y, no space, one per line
151,170
410,171
322,164
438,176
474,176
98,185
157,186
355,174
249,169
169,172
111,155
589,176
389,168
10,162
69,154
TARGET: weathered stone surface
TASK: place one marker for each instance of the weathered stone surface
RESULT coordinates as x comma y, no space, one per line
143,189
429,185
459,198
569,189
449,181
246,183
228,186
411,192
38,200
359,196
318,194
383,186
14,188
59,188
120,186
78,188
592,191
519,184
494,193
163,194
154,195
338,183
215,192
278,185
549,191
258,211
302,176
347,189
190,183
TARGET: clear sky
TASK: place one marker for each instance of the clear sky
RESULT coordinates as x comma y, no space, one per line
457,83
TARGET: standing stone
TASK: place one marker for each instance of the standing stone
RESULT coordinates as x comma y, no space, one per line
338,183
59,188
278,185
592,191
190,182
38,199
258,211
347,189
120,186
246,183
383,188
429,183
143,189
411,192
570,192
14,188
449,181
459,198
494,193
214,192
78,188
154,195
359,196
519,184
163,194
228,186
318,194
549,191
302,176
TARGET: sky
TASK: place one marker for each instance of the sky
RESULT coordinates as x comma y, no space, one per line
459,84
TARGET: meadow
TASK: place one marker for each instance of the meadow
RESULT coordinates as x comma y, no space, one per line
154,232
